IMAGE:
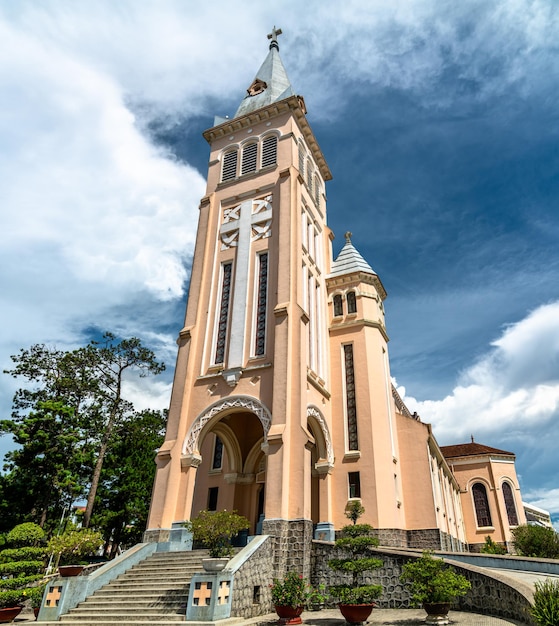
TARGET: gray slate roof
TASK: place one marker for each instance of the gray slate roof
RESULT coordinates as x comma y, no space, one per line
349,261
273,73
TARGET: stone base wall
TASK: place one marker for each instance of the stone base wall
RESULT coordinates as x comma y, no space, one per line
393,537
292,545
251,584
489,594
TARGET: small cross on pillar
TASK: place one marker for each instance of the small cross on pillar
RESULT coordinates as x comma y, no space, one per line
274,37
223,592
202,593
53,596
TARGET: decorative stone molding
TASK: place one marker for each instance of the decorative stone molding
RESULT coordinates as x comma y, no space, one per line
190,446
328,464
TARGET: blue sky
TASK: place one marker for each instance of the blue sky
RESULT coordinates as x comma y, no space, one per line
439,122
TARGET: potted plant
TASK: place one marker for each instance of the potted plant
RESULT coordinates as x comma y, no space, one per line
71,547
10,604
546,603
434,585
289,597
214,530
35,597
317,598
356,600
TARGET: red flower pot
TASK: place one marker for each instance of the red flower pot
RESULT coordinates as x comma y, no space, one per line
355,613
70,570
10,613
289,615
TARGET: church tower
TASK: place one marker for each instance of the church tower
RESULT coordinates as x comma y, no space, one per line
282,405
249,419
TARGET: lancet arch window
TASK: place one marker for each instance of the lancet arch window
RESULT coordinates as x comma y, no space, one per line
481,505
510,505
351,302
338,305
310,172
256,153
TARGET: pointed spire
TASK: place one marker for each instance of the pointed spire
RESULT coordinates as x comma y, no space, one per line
271,82
349,260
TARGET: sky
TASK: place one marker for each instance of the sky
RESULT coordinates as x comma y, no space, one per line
438,120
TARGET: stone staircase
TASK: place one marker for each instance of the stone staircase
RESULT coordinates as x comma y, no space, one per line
154,591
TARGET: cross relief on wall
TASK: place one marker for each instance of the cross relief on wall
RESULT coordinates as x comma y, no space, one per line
256,214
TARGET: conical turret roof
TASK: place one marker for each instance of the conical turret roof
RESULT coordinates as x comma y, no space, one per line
271,82
349,260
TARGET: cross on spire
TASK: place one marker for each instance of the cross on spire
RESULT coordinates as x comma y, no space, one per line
274,37
348,236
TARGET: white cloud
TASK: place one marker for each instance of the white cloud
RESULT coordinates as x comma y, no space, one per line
513,390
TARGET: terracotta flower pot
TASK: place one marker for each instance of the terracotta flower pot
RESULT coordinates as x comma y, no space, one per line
70,570
289,615
356,613
437,612
9,613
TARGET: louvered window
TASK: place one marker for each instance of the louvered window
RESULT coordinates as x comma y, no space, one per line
223,313
317,189
309,175
229,170
269,151
248,163
351,404
301,159
261,304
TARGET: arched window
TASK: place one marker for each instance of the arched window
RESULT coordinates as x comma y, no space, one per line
481,504
510,505
248,161
338,306
229,170
351,303
269,150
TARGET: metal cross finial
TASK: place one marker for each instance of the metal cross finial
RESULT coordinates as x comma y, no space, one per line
274,37
348,237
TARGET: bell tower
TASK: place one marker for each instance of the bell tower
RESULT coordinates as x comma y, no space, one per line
250,419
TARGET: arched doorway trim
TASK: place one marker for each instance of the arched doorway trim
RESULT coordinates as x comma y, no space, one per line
229,405
324,441
234,456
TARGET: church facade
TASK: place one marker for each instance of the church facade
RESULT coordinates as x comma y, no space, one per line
282,405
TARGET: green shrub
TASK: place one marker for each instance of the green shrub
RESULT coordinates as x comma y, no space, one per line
16,568
27,553
356,541
546,603
538,541
27,534
490,547
292,591
19,582
35,595
11,597
214,530
73,545
432,581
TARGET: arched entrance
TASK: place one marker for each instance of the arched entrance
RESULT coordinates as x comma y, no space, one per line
226,441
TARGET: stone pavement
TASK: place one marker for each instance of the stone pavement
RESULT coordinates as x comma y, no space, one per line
332,617
389,617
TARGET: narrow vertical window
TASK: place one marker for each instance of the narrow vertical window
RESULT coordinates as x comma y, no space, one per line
217,460
212,498
261,304
304,230
301,149
229,170
354,484
248,160
309,176
351,405
481,504
223,313
269,151
510,505
338,306
351,303
317,190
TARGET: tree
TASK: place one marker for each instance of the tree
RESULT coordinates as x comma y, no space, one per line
124,493
537,541
79,392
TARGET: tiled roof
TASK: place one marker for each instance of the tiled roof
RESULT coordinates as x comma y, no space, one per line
349,261
471,449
